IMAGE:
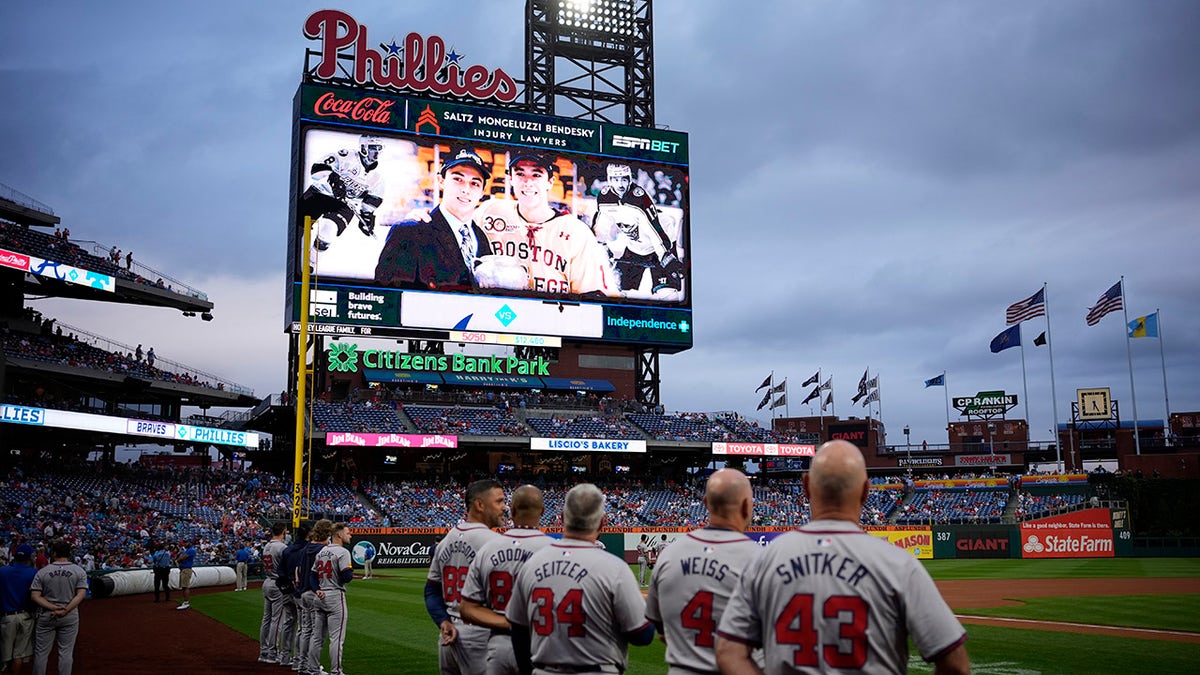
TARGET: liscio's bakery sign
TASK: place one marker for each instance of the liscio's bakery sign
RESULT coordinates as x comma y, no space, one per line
418,64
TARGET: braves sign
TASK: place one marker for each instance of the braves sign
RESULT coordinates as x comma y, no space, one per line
418,64
1082,534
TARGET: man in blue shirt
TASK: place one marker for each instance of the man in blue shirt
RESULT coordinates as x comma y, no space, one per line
242,558
16,630
161,563
186,561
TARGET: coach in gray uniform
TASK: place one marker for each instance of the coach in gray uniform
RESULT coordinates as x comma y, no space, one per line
490,579
268,629
830,596
576,608
697,573
57,590
462,647
333,571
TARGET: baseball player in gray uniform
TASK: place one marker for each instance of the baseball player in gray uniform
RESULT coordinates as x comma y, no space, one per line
576,607
493,572
697,573
830,596
643,562
307,583
268,629
463,647
333,570
57,590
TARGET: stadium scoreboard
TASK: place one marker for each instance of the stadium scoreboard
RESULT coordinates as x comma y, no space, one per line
365,162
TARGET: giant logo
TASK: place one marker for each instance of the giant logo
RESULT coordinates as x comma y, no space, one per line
417,64
981,544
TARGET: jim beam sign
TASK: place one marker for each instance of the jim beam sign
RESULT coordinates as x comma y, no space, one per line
416,63
1094,404
985,404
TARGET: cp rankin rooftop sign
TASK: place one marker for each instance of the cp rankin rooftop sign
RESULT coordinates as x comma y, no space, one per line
418,64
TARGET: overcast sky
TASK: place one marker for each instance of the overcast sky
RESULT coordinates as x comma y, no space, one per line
873,183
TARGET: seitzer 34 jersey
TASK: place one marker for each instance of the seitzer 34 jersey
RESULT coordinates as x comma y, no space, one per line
690,589
578,601
831,596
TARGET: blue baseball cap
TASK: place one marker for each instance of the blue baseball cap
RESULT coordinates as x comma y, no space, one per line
23,552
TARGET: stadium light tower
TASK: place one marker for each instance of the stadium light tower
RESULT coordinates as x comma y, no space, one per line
590,59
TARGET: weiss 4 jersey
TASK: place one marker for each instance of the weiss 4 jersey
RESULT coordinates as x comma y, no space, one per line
561,254
830,596
689,590
452,560
578,601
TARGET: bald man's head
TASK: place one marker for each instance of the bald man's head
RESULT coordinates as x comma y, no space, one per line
729,499
837,481
527,506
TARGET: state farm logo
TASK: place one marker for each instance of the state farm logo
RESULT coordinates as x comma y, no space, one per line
1032,545
638,143
370,109
14,260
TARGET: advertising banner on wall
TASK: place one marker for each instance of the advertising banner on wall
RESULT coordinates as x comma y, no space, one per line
393,550
855,433
587,444
1082,534
990,543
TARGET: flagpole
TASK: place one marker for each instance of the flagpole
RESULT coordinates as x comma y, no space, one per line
1163,355
1053,392
1137,440
946,393
879,399
1024,383
787,403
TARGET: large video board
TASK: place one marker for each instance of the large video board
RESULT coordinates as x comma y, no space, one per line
443,216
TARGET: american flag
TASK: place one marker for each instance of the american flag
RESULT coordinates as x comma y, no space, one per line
1109,302
1031,307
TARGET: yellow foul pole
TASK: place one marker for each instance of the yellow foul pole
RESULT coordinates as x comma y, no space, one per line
301,380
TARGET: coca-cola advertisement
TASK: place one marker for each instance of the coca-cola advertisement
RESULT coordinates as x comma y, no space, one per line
396,550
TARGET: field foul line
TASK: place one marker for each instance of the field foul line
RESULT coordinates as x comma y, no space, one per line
1072,624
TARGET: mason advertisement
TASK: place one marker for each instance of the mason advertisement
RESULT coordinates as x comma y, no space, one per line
397,550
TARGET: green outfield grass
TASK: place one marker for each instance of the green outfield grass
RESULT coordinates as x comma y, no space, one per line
389,631
1163,612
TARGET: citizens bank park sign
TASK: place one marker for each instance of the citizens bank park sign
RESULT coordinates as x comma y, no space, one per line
416,64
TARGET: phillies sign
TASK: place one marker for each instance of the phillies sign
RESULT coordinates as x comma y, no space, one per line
418,64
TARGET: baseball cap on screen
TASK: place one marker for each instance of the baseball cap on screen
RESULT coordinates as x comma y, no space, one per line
533,158
466,158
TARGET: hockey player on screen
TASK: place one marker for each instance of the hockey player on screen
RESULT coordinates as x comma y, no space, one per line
343,191
627,223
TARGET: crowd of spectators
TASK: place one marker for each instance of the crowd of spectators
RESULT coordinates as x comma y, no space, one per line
114,516
59,248
1030,505
51,345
